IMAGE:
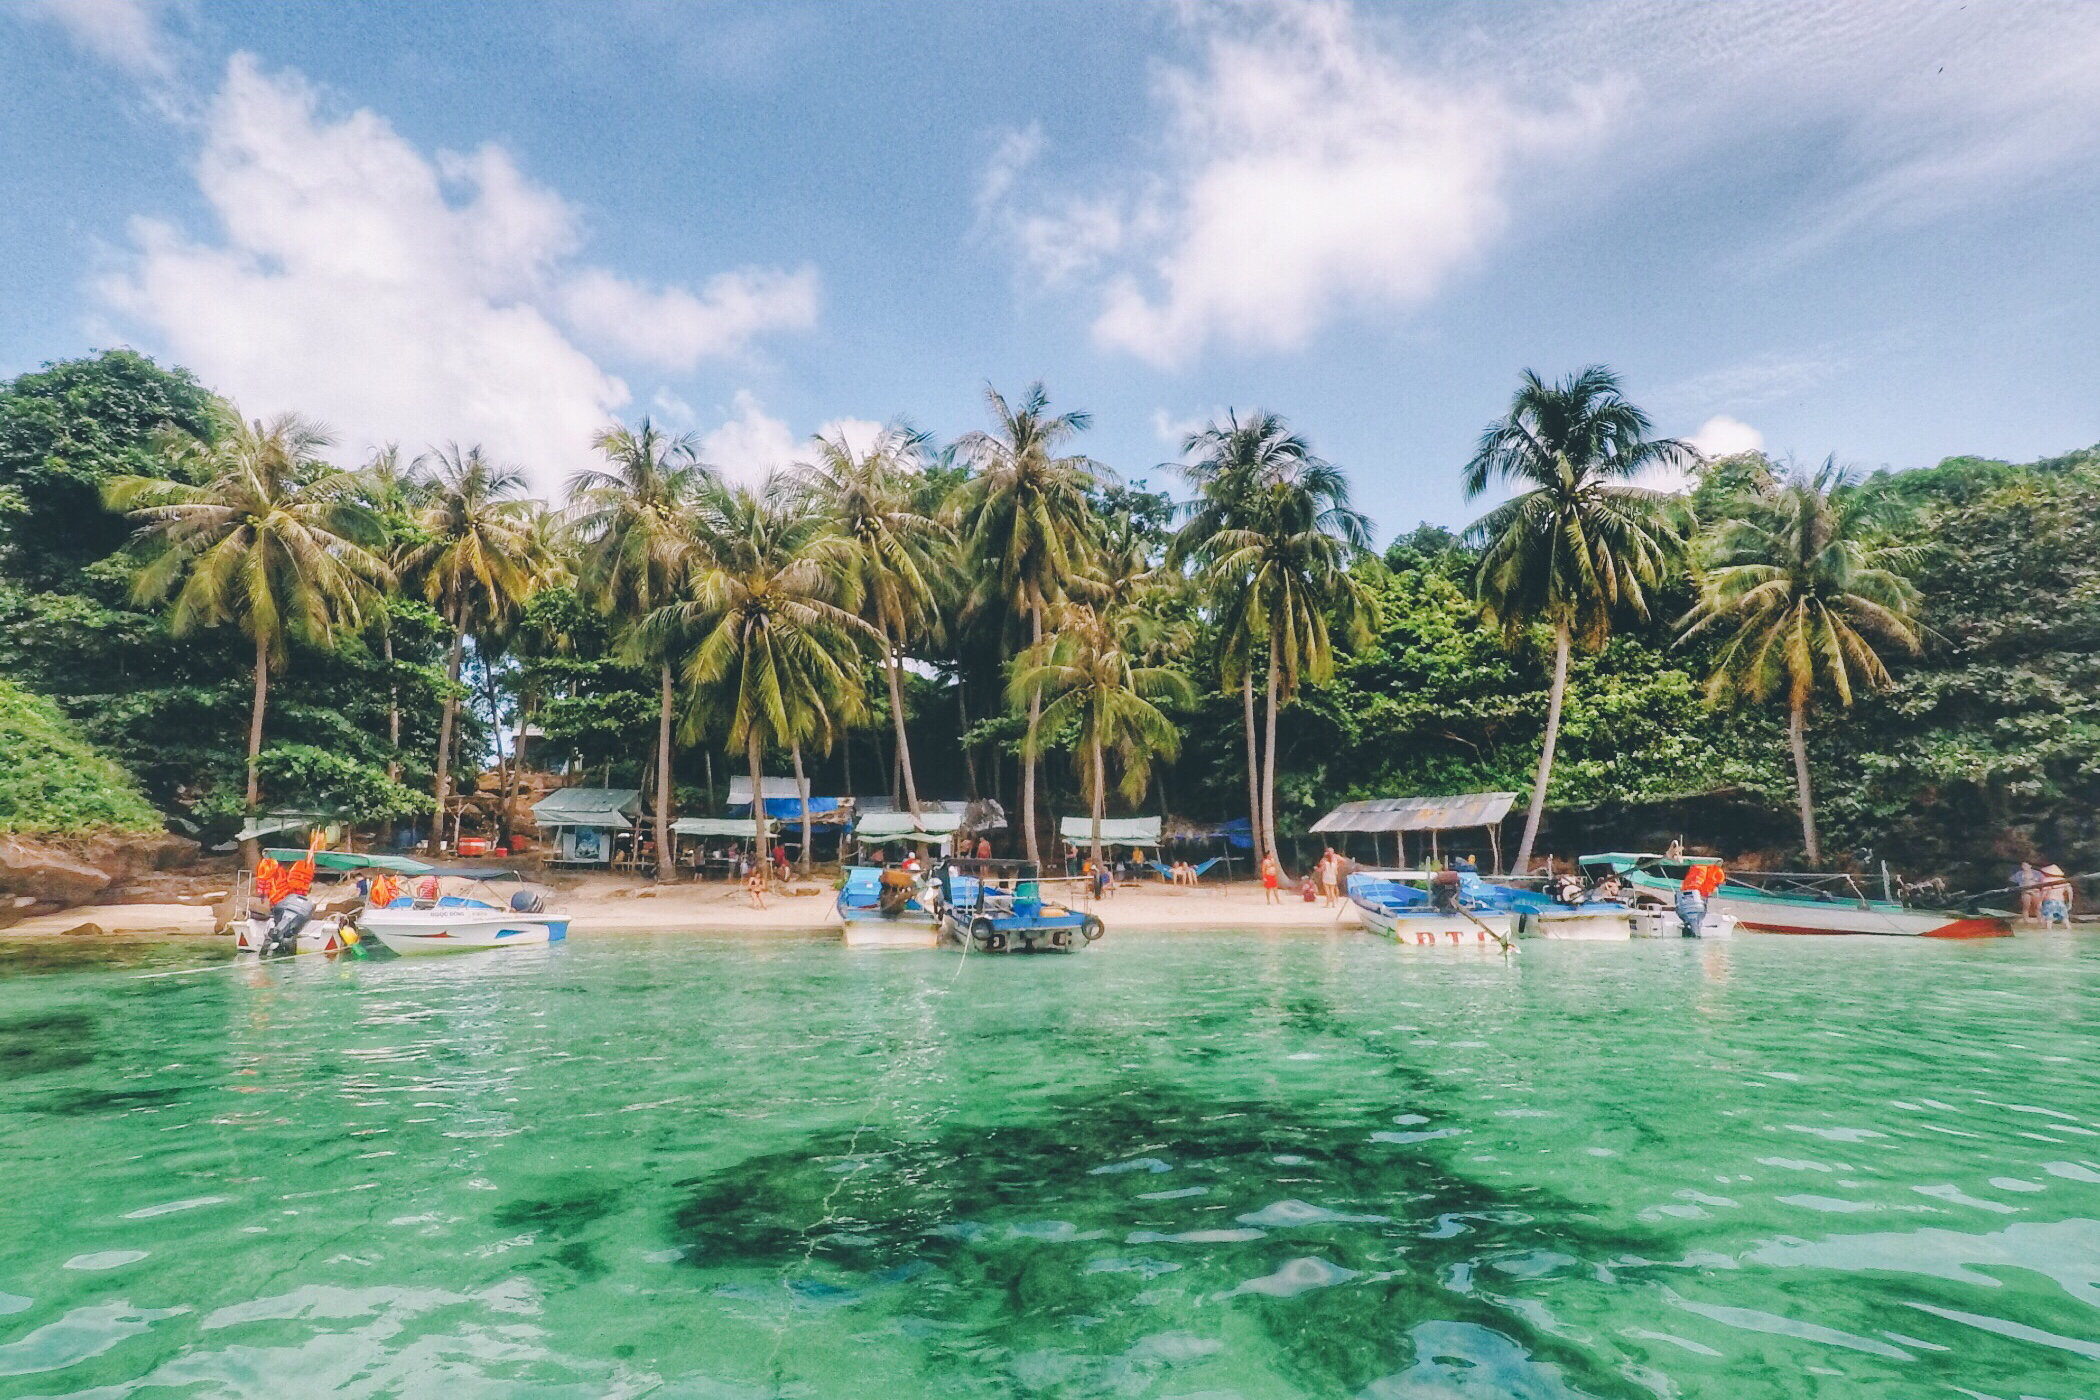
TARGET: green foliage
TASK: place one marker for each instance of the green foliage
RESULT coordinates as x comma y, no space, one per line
313,779
68,430
54,783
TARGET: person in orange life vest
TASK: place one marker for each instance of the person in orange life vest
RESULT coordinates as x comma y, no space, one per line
1699,885
385,890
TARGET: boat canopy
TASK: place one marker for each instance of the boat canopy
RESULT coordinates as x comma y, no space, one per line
613,809
351,860
1382,814
735,828
1115,831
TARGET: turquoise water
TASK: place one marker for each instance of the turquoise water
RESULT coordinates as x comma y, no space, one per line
1198,1165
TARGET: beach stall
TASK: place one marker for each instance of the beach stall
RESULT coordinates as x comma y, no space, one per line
714,840
1379,816
931,830
589,826
785,800
1139,834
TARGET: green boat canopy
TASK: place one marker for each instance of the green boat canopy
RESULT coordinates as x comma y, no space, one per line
1115,831
352,860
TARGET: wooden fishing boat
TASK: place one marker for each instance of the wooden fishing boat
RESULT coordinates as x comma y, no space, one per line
1398,905
895,914
1786,903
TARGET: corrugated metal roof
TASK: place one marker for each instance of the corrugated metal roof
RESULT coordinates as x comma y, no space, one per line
1419,813
1117,831
586,806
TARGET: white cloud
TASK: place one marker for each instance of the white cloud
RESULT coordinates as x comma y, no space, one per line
405,297
1312,160
1174,431
1722,436
750,443
1309,172
126,33
860,433
677,328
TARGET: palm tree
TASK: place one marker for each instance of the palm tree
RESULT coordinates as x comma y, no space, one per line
634,524
477,561
271,538
898,551
1230,465
1580,541
1026,516
1292,589
1805,583
391,493
1092,671
773,613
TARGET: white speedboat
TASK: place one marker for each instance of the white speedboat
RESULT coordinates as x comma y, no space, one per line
474,917
1397,904
1581,923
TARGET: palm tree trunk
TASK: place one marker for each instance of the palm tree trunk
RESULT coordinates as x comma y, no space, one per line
393,705
1559,692
251,851
802,792
1253,768
1100,802
1268,764
896,672
666,868
1797,739
962,719
441,788
1035,715
758,806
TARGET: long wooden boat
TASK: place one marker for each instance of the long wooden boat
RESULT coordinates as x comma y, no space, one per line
997,906
1397,905
1798,904
878,918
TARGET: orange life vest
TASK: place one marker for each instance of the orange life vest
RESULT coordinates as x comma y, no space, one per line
1703,880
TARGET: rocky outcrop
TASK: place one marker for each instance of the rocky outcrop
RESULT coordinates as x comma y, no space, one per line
85,870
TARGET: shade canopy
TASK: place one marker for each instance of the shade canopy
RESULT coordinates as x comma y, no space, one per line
276,825
1419,813
1115,831
736,828
591,807
352,860
902,826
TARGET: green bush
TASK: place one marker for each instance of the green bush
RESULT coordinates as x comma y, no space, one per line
53,782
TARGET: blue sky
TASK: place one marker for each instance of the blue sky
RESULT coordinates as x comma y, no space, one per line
1861,229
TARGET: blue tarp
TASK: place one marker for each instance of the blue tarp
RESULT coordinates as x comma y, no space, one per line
788,809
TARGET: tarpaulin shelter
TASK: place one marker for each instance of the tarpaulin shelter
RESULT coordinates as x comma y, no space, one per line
732,828
929,828
1115,831
784,800
1400,815
585,820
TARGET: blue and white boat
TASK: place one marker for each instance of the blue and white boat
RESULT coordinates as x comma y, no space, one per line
1400,905
898,914
997,906
471,920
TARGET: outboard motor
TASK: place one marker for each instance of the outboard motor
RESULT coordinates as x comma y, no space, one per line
287,917
526,902
1443,891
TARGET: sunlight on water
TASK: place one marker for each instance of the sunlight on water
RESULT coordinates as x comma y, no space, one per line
1178,1166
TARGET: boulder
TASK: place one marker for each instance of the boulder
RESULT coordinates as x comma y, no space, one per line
87,930
49,873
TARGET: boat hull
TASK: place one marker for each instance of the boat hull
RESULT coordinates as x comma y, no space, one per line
319,936
1578,923
892,933
417,932
1786,916
1427,928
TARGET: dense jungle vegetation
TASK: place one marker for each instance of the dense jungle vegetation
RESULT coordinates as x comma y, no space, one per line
1046,628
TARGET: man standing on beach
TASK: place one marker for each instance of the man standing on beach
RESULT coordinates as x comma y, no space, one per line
2054,893
1271,875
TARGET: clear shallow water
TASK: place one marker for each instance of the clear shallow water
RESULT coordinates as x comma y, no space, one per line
1177,1166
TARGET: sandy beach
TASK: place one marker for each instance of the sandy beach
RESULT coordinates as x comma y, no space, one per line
602,903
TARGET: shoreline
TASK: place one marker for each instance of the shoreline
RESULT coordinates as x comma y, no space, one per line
608,903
